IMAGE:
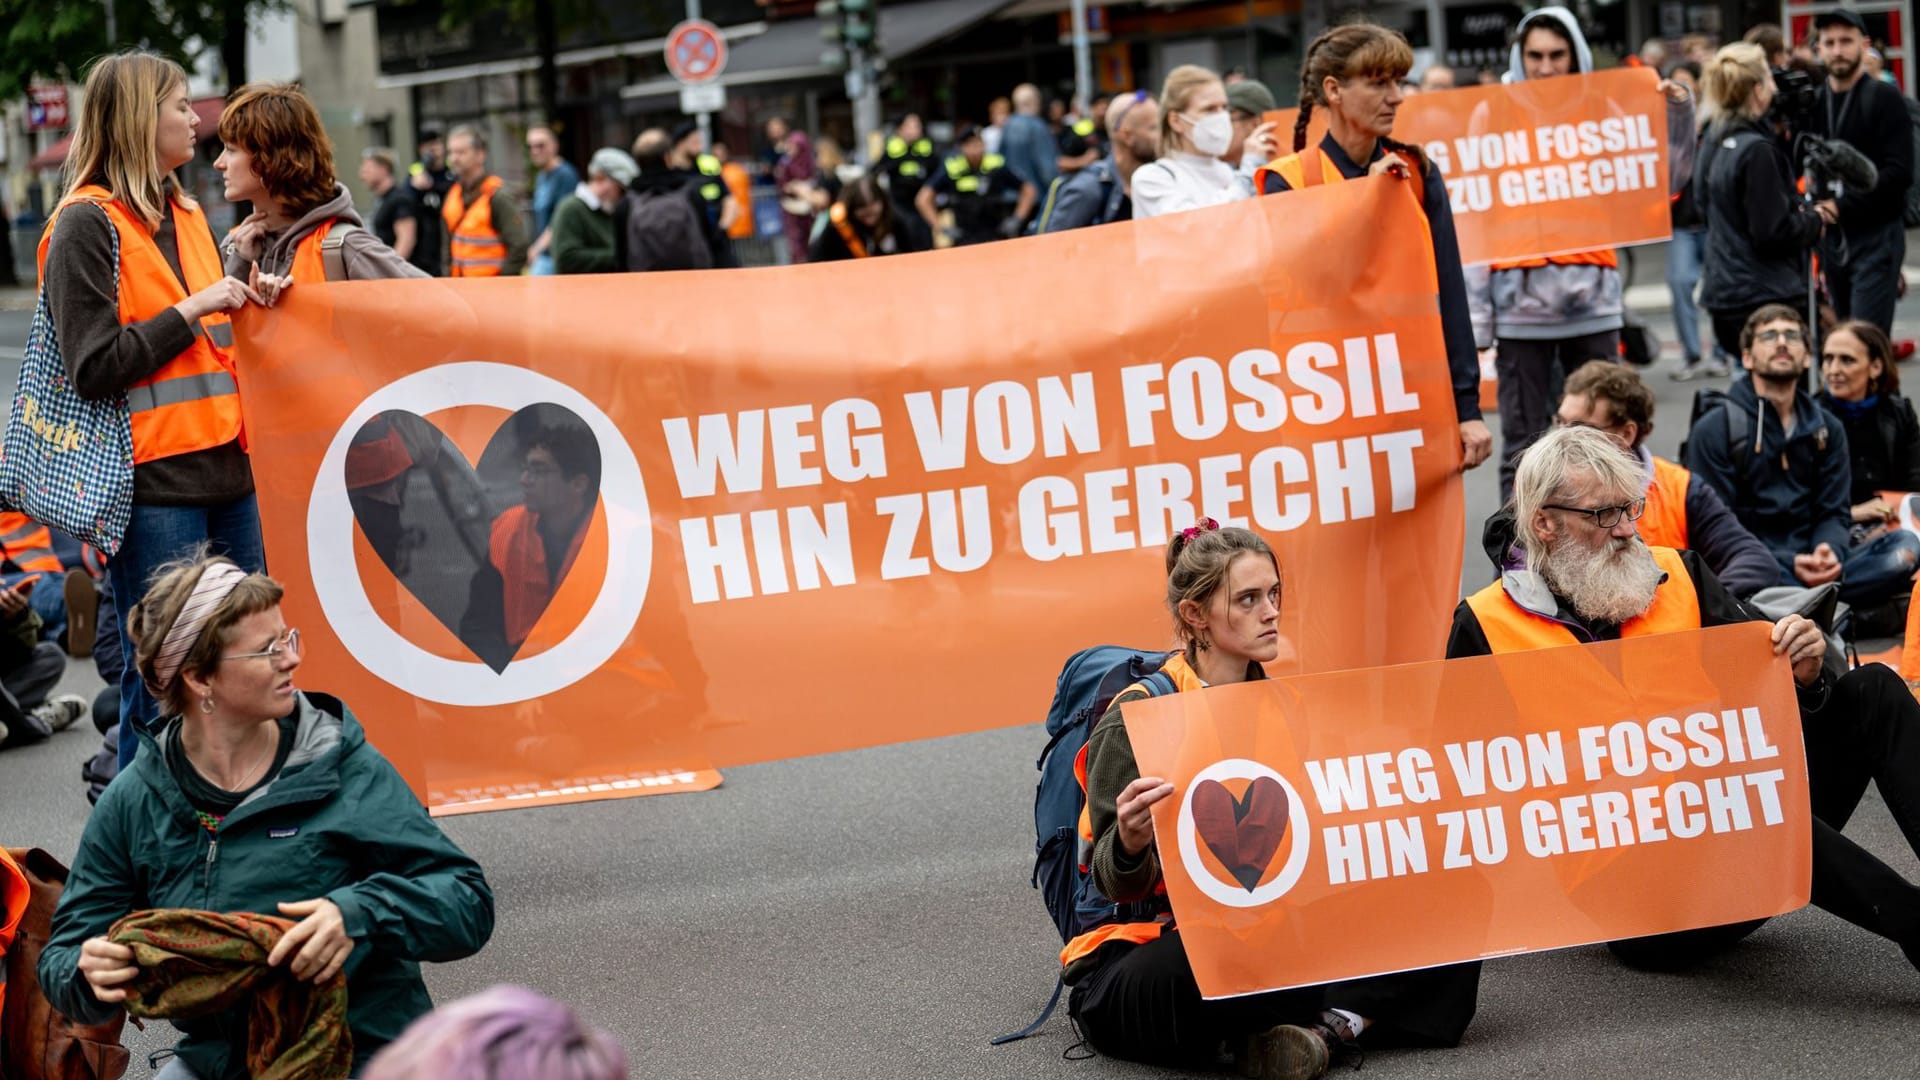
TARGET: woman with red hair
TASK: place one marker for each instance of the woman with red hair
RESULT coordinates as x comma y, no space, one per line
278,157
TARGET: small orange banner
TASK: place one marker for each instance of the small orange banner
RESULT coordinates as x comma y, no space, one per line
576,538
1543,167
1516,803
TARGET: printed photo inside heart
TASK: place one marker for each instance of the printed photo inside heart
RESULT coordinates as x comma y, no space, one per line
1244,833
483,548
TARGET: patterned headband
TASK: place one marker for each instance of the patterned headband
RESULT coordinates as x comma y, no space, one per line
215,583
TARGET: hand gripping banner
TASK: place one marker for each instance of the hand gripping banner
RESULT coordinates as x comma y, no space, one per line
1335,826
573,538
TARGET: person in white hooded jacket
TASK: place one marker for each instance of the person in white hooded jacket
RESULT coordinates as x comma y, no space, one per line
1196,128
1550,315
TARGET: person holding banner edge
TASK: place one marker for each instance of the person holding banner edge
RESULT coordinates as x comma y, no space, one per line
159,318
1354,72
1134,995
1584,575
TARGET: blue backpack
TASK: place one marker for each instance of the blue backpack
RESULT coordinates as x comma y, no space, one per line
1088,683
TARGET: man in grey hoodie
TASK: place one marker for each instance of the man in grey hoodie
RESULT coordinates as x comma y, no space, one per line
1551,315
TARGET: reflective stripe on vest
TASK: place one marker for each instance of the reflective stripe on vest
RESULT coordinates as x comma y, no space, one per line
526,584
838,215
28,544
475,248
1664,524
1512,628
203,410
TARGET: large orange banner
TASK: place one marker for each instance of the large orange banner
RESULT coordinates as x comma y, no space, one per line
1543,167
1521,802
808,509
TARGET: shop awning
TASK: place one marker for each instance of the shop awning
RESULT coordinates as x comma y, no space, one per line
790,51
206,112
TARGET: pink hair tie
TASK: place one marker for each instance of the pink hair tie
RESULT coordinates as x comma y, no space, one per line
216,582
1205,525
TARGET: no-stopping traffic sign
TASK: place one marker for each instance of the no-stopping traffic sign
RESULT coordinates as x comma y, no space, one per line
696,52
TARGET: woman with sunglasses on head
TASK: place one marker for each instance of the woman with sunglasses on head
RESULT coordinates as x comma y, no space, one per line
1355,72
254,796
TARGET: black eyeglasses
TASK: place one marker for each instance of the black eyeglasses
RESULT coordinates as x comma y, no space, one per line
1768,337
1606,517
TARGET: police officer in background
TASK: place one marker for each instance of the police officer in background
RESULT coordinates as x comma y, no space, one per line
909,161
988,201
1862,256
1082,139
702,170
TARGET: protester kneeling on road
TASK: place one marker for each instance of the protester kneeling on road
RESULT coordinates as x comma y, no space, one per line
502,1033
1682,513
254,796
279,158
1586,576
1134,994
1354,72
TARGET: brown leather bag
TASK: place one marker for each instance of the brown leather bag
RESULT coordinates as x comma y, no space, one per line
37,1043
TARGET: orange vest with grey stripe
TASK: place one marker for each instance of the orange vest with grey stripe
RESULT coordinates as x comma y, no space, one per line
193,401
1138,933
474,246
1512,628
28,544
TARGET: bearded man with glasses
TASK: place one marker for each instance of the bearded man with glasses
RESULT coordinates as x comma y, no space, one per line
1780,460
1573,570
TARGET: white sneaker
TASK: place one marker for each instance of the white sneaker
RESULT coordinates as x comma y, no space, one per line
60,712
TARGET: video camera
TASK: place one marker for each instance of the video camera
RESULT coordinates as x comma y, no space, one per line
1829,165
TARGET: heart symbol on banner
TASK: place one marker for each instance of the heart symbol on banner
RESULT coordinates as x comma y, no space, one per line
1242,833
435,519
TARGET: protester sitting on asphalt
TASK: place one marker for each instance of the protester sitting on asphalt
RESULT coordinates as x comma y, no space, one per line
502,1033
864,223
1102,193
1196,127
278,157
1134,994
29,670
1682,513
1782,463
192,481
1883,435
254,796
582,229
1586,576
1758,229
1353,71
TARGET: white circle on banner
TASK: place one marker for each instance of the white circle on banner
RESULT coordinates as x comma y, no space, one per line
391,657
1234,895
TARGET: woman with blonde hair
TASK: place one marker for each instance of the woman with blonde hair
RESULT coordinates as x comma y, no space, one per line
153,326
265,803
1196,127
1759,233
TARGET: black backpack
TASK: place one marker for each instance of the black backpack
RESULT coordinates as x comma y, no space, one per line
665,231
1739,426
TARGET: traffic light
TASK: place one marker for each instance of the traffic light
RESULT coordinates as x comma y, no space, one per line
845,25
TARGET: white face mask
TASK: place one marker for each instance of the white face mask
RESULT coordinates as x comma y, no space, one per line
1212,133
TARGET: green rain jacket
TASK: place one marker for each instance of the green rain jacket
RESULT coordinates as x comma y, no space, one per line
336,822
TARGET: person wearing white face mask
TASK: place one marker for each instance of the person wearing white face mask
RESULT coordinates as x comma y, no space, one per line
1195,129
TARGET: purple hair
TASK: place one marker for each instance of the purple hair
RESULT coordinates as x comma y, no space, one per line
502,1033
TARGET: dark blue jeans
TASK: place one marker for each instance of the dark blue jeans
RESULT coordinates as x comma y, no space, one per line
158,535
1685,254
1880,569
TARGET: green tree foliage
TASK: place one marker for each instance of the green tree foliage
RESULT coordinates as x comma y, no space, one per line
55,40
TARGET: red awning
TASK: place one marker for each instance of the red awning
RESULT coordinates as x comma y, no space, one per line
206,111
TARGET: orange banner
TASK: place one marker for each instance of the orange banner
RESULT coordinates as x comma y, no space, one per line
809,509
1519,802
1544,167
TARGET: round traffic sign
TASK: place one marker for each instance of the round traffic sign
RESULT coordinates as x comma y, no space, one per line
696,52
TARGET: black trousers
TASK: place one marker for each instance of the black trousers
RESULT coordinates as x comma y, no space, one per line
1869,731
1863,271
1142,1004
25,687
1531,374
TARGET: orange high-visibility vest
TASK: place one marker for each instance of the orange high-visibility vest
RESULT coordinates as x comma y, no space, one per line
28,544
526,584
1512,628
193,401
838,215
1604,257
16,892
474,247
1664,525
1312,167
740,186
1910,651
309,264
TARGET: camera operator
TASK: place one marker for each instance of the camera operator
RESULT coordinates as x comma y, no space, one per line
1758,231
1862,256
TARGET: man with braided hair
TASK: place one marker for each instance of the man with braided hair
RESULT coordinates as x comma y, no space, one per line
1355,72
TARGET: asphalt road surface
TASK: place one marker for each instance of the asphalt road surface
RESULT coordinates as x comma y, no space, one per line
867,915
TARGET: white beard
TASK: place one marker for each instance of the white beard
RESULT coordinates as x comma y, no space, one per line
1611,585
